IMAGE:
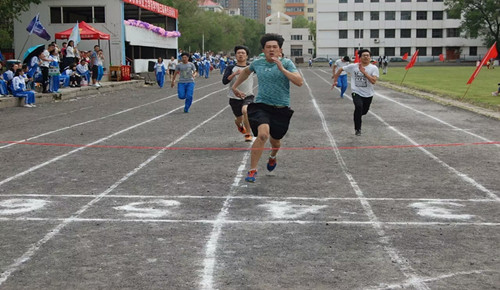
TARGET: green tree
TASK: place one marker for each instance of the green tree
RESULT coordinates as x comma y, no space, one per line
312,31
480,18
300,22
10,11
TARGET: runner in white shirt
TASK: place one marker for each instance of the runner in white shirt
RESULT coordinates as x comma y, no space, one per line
342,80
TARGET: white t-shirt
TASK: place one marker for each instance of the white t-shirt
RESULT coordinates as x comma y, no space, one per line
46,55
70,51
246,86
359,83
339,63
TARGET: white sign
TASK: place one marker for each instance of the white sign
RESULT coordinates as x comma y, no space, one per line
440,210
287,210
18,205
148,209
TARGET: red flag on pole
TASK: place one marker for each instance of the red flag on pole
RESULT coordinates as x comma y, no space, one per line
441,57
405,56
492,53
412,61
356,56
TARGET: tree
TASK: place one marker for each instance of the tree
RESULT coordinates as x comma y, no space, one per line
480,18
9,11
312,32
300,22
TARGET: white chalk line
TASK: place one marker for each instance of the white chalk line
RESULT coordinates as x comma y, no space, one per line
33,249
94,120
406,284
384,239
455,128
98,141
207,276
252,197
462,176
251,222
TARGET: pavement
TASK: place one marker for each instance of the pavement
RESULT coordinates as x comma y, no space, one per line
123,190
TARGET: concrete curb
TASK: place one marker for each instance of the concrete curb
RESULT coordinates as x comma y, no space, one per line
71,93
442,100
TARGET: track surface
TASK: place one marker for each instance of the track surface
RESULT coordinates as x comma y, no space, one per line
124,190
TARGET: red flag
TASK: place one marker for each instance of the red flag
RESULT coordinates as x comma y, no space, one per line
412,61
405,57
356,56
492,53
441,57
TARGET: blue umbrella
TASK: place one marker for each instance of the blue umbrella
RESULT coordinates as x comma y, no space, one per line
33,51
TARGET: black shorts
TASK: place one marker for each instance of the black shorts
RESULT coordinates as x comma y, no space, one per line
237,104
171,71
95,71
277,118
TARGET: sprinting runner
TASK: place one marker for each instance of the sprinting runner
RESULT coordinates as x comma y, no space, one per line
239,105
363,76
342,80
185,88
270,114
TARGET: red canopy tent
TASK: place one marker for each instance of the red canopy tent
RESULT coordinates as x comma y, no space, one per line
87,32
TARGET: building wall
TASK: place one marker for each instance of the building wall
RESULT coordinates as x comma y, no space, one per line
113,26
330,28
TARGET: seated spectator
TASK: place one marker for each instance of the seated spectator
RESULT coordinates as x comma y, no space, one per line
83,70
74,78
30,85
19,89
497,93
9,75
3,87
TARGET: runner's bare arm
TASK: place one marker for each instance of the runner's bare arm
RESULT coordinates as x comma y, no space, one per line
244,74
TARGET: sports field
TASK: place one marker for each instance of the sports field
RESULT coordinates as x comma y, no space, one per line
125,191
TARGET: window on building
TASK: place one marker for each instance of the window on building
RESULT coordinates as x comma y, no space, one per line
436,51
437,0
294,9
310,10
473,50
374,33
342,16
437,15
405,0
421,0
310,18
358,16
421,33
310,51
405,33
390,1
296,37
405,15
296,51
342,1
374,1
310,1
374,15
55,15
358,33
310,37
342,34
421,15
452,32
390,15
358,1
422,51
99,14
374,51
342,51
437,33
404,50
390,33
389,51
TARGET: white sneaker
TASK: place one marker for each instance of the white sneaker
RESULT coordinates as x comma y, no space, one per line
33,105
28,106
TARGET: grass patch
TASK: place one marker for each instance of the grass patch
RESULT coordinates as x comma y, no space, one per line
450,82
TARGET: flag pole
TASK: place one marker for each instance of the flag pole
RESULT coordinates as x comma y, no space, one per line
468,87
24,45
404,77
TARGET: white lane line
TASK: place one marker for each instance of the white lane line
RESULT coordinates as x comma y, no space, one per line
455,128
252,222
207,276
97,142
250,197
95,120
407,284
33,249
462,176
384,239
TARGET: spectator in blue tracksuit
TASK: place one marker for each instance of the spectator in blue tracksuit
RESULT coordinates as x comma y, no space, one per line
185,87
54,78
100,66
83,70
206,64
222,65
200,66
3,87
342,80
19,89
160,72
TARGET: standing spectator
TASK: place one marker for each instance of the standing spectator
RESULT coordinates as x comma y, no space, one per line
19,89
160,72
171,67
70,55
44,66
100,66
310,62
94,65
385,64
363,76
185,88
54,72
